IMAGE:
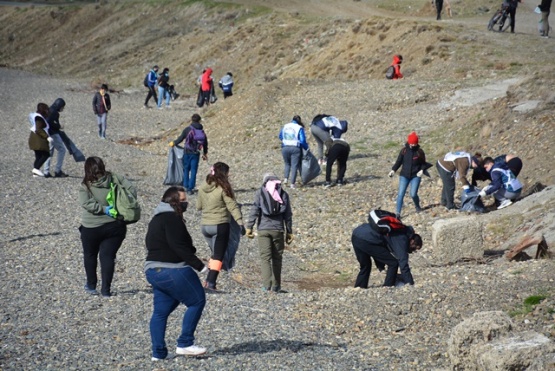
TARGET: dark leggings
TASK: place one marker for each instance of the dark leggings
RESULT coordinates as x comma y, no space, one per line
40,158
151,93
439,8
103,242
217,237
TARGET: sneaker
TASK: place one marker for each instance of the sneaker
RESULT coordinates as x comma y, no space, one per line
190,192
192,350
327,185
90,291
160,107
398,216
418,209
209,286
154,359
147,107
293,186
60,174
37,172
340,182
504,204
47,175
285,181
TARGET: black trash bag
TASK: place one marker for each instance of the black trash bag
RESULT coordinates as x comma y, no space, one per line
310,168
78,156
232,246
200,98
174,174
471,201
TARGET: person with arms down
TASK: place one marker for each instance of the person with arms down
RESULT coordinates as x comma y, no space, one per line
272,209
39,140
170,267
226,84
151,80
196,143
505,187
101,105
206,85
163,88
391,250
337,150
293,141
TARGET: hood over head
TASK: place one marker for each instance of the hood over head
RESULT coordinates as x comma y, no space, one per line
58,104
397,59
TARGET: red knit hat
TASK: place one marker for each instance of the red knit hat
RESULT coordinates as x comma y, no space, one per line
412,138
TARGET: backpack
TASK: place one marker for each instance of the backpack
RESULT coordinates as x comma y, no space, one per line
146,80
385,222
390,72
269,206
124,200
194,140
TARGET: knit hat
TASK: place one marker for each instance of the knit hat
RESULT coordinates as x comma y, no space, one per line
412,138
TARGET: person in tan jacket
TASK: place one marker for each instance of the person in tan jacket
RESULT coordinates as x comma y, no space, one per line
39,138
217,203
454,165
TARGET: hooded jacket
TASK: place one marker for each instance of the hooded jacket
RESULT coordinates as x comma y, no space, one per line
412,159
185,132
93,200
397,66
206,80
168,243
226,83
216,206
54,117
270,222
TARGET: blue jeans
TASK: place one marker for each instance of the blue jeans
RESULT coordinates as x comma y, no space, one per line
58,145
161,94
292,159
190,167
403,185
172,286
102,123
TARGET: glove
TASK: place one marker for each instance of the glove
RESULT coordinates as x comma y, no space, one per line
289,238
391,173
243,230
50,140
171,144
249,233
205,269
467,189
482,193
419,174
107,210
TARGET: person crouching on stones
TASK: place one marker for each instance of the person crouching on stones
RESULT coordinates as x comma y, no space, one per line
504,186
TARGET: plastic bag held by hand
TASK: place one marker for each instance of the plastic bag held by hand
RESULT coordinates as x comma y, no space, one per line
289,238
249,233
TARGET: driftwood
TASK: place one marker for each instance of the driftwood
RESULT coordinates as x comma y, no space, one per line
517,252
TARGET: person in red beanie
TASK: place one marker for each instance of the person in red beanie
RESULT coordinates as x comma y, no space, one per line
412,161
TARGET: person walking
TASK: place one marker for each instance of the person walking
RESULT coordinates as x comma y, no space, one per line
101,105
391,250
57,141
39,140
439,8
226,84
101,234
163,88
293,141
196,143
337,150
545,8
170,267
151,80
216,201
272,209
412,161
206,85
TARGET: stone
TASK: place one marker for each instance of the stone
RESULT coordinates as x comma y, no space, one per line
456,239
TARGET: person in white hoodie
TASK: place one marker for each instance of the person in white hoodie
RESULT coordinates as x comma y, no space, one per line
39,139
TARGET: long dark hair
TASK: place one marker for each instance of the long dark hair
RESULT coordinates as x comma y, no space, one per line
94,170
171,197
218,174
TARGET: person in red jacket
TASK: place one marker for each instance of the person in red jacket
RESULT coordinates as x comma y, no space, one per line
206,85
397,60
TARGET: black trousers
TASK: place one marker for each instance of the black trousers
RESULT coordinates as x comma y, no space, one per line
448,190
40,158
340,154
151,93
103,242
512,12
439,8
365,252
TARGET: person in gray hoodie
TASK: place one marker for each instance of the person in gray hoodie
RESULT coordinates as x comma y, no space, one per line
272,209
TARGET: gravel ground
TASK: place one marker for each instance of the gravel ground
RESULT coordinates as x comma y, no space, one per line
321,323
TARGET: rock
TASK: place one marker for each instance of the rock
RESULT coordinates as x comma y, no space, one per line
457,238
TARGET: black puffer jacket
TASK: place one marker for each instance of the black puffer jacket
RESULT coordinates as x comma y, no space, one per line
54,117
412,160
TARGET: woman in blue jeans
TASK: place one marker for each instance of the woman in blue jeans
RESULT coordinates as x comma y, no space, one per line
170,269
293,141
413,162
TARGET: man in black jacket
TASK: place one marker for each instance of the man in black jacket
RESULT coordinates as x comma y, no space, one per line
391,250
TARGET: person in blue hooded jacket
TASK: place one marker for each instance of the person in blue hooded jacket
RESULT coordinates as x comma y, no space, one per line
151,84
293,141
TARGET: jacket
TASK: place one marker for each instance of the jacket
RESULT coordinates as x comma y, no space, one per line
337,146
412,160
54,117
152,78
163,80
459,166
216,206
292,134
545,6
93,201
206,80
226,83
185,132
168,243
98,105
38,137
270,222
397,244
397,66
502,178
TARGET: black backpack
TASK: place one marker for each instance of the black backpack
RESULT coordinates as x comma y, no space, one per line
269,206
385,222
390,72
146,80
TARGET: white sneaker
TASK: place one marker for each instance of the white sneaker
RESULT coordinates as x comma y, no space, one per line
504,204
154,359
37,172
192,350
285,181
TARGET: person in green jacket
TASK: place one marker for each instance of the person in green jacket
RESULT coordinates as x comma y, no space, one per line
217,203
101,234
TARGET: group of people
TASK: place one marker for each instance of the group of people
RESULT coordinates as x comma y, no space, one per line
207,94
165,90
